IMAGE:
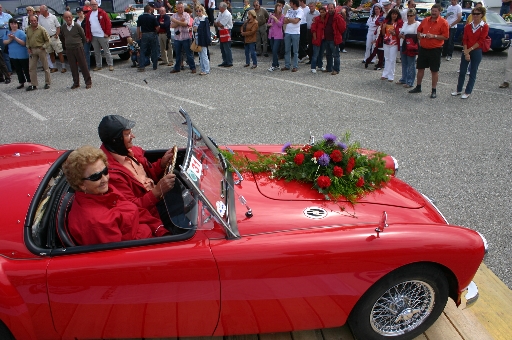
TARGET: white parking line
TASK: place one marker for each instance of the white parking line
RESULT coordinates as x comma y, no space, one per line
145,87
22,106
307,85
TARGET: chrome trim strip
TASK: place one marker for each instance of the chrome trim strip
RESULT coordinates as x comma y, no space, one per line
396,164
472,294
439,211
484,240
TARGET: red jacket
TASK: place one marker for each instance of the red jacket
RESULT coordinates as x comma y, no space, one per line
318,26
95,219
470,38
338,25
123,180
104,20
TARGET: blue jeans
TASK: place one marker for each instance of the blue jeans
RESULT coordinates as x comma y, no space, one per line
475,58
317,58
276,44
6,56
87,52
289,41
448,44
180,45
250,51
332,52
225,50
408,69
150,41
204,62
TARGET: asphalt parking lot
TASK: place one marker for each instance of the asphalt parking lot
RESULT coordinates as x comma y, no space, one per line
455,151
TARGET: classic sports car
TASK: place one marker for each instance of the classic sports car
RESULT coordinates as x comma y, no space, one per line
260,255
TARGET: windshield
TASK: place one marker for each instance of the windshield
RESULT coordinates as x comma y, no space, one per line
205,171
493,18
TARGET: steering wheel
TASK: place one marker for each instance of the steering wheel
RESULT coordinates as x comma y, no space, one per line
172,163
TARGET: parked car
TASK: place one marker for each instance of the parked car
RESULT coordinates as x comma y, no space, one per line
422,6
21,11
261,255
238,21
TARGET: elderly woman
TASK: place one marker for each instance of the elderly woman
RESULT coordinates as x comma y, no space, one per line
100,213
409,49
472,40
203,38
249,30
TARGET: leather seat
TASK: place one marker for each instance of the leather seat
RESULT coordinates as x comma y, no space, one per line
62,220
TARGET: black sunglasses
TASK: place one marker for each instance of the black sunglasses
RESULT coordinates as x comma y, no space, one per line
477,13
97,176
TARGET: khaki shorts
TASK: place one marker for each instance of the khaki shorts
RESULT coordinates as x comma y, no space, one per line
55,45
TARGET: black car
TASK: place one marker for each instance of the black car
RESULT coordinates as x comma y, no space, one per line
239,17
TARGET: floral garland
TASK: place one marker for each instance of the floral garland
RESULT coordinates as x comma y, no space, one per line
334,168
129,9
507,17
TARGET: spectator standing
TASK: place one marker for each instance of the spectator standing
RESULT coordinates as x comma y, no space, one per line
333,37
164,37
508,71
409,35
453,16
432,33
211,10
292,35
391,43
75,38
506,6
275,34
181,23
469,20
52,26
311,13
303,41
37,40
472,41
317,32
225,21
346,11
83,22
16,40
97,31
249,32
261,35
158,4
24,20
371,36
4,21
147,28
203,38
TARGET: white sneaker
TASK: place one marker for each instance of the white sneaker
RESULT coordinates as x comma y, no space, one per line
271,69
468,73
344,51
323,69
448,58
313,70
456,93
464,96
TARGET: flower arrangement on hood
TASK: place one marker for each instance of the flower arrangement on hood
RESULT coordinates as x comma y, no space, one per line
334,167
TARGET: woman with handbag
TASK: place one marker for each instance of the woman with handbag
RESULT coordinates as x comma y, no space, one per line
391,43
409,50
473,40
202,39
248,31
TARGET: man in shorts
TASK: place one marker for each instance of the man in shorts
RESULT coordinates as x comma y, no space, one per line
52,26
432,33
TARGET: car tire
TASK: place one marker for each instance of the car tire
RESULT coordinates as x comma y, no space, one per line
392,309
498,50
124,56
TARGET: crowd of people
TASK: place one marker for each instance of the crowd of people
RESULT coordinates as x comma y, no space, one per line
298,31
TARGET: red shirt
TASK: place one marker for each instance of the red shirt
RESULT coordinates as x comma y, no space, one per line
470,38
437,27
95,219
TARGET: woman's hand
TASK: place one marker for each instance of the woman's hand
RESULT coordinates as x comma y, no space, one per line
164,185
468,57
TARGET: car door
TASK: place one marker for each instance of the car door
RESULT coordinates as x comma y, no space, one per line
162,290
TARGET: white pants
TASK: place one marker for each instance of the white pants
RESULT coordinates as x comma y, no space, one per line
50,64
370,37
390,52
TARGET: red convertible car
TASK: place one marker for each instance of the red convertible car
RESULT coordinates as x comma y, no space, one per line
260,255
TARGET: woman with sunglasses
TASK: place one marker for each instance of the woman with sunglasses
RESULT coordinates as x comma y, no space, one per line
409,49
473,40
203,38
100,213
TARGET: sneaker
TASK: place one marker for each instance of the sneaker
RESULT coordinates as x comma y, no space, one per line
271,69
323,69
448,58
415,90
344,51
46,86
313,70
464,96
456,93
111,68
97,68
468,73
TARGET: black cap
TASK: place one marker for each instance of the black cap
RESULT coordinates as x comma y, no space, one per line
79,9
111,130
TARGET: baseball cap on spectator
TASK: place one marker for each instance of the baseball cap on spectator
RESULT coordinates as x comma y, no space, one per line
385,3
79,9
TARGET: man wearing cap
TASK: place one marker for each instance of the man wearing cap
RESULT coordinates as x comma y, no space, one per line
139,180
432,33
52,26
97,31
75,38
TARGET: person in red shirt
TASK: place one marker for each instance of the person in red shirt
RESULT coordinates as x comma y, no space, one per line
432,33
100,213
473,40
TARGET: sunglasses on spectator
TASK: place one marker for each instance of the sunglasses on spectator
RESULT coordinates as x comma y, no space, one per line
476,13
97,176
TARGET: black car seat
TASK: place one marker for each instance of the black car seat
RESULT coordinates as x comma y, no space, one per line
62,220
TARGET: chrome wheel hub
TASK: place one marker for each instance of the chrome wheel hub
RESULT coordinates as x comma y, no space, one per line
402,308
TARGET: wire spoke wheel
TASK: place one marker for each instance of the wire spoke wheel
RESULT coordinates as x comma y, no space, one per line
402,308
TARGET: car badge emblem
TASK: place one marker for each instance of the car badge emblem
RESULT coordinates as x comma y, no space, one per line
315,213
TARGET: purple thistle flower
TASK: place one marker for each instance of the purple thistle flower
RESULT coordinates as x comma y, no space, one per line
330,138
286,146
324,159
341,145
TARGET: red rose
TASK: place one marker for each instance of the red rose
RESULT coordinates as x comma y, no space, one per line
323,181
360,182
299,158
336,156
318,154
350,164
338,171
